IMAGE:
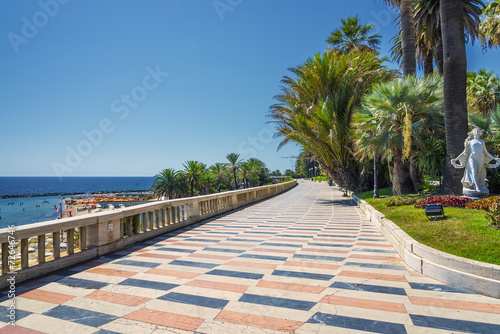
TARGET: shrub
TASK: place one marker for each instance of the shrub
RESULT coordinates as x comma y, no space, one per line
400,200
452,201
430,188
494,215
483,204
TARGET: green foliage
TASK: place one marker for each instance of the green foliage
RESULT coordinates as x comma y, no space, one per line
489,29
286,179
394,119
169,183
354,36
400,200
430,188
494,215
483,91
315,108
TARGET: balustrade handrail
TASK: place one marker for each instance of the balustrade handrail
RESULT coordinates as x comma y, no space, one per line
94,218
104,232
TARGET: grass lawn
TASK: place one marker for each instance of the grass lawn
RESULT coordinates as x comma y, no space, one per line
320,178
462,232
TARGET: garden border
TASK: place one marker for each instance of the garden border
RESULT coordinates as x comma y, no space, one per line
475,276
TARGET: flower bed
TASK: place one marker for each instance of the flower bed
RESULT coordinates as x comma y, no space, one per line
483,204
451,201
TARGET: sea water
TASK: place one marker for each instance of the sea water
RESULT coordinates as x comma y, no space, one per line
25,210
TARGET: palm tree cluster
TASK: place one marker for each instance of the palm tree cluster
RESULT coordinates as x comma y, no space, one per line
346,110
198,179
489,30
483,91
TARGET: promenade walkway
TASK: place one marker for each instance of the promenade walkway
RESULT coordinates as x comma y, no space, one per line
305,261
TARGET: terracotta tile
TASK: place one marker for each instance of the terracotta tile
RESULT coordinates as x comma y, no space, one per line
237,244
332,239
364,303
47,296
191,244
218,286
373,244
18,330
251,264
159,256
173,273
375,257
343,232
117,298
166,319
415,274
311,265
259,321
302,232
112,272
456,304
290,287
274,250
323,250
362,274
298,242
210,256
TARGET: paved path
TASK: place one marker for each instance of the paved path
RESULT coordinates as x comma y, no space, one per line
306,261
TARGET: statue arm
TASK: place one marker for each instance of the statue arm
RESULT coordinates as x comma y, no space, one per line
461,160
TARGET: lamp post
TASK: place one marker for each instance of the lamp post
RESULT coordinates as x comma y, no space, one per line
375,185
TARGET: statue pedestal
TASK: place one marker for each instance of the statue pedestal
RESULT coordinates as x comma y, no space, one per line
473,193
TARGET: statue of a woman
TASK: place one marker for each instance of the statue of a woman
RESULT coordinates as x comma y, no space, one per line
475,159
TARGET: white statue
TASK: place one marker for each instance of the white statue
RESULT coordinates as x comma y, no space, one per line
475,159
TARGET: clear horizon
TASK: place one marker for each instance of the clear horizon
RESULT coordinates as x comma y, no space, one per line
124,88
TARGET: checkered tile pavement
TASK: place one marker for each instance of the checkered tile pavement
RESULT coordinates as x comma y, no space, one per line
306,261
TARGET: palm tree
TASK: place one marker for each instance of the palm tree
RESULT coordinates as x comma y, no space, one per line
455,90
407,34
315,108
193,170
207,179
259,173
169,183
392,118
354,36
221,179
490,26
428,32
483,91
234,162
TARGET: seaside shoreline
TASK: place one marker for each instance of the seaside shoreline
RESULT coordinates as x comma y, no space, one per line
71,194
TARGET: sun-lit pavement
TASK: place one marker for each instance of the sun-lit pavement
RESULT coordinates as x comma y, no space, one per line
306,261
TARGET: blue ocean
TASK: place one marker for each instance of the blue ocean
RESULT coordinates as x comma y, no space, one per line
23,210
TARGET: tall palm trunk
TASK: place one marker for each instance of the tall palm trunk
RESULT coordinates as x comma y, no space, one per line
428,62
235,183
454,87
408,37
439,55
401,180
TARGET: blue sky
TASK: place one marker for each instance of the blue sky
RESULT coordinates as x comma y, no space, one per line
129,87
